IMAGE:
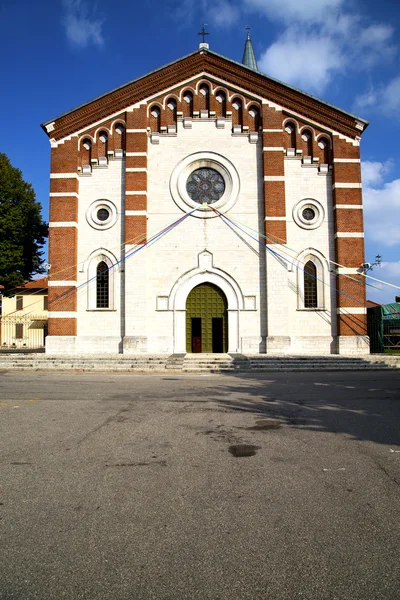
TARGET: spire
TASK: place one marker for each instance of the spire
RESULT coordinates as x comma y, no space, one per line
249,58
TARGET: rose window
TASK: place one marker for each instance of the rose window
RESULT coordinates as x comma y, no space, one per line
205,186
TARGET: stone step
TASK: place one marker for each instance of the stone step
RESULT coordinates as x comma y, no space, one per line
192,363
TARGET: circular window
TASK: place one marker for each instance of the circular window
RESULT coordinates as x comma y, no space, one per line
205,186
308,213
102,214
203,181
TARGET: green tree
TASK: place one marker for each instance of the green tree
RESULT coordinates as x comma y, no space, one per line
22,229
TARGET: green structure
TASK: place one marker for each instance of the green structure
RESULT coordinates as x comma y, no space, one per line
384,327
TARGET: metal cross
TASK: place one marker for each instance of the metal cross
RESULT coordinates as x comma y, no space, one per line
203,32
248,32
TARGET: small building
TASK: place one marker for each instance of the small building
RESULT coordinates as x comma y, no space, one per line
24,316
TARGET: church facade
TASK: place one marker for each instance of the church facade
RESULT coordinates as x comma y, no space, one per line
206,207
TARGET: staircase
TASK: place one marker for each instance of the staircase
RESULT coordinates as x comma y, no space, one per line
196,363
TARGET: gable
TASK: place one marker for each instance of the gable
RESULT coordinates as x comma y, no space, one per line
202,63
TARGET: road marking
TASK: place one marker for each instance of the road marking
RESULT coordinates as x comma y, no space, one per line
12,402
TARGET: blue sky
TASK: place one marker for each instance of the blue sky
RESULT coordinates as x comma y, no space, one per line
57,54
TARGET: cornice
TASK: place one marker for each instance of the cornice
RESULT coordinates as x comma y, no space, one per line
233,73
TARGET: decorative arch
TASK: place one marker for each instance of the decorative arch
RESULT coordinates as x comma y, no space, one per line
205,273
203,82
155,117
237,111
291,120
187,102
307,136
85,137
115,124
94,260
324,143
221,99
100,130
254,111
186,90
290,129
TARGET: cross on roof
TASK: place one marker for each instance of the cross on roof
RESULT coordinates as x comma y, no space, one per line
203,32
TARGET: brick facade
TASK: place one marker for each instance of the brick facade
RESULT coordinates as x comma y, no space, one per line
121,154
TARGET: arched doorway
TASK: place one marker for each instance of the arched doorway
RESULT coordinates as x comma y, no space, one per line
206,319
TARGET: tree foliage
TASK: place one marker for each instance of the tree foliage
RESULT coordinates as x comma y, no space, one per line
22,229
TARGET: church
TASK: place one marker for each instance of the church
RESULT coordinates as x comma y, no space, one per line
206,207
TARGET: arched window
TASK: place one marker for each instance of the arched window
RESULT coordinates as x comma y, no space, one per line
102,285
204,97
155,118
310,285
187,104
102,276
254,118
102,145
323,144
306,136
237,113
290,139
171,107
119,136
220,104
86,151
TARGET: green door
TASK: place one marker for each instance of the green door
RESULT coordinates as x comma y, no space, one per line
206,319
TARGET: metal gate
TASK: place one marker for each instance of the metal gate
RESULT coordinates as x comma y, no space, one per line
23,332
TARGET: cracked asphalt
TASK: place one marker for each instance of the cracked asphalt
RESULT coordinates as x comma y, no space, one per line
276,486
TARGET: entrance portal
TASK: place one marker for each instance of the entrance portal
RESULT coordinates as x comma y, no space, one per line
206,319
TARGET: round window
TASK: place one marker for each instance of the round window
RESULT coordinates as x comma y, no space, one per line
102,214
308,213
204,181
205,186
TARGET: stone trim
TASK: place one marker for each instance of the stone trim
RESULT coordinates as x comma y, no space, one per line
64,195
347,185
349,206
349,234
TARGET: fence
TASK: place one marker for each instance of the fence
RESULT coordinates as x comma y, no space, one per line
23,332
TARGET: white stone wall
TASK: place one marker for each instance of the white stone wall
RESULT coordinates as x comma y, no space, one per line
144,318
154,271
100,330
311,331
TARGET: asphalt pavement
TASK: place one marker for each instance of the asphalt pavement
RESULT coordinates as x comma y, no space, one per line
207,487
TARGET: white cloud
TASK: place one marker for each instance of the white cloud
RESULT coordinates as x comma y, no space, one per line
322,38
306,61
384,99
381,206
373,172
82,27
305,11
222,13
